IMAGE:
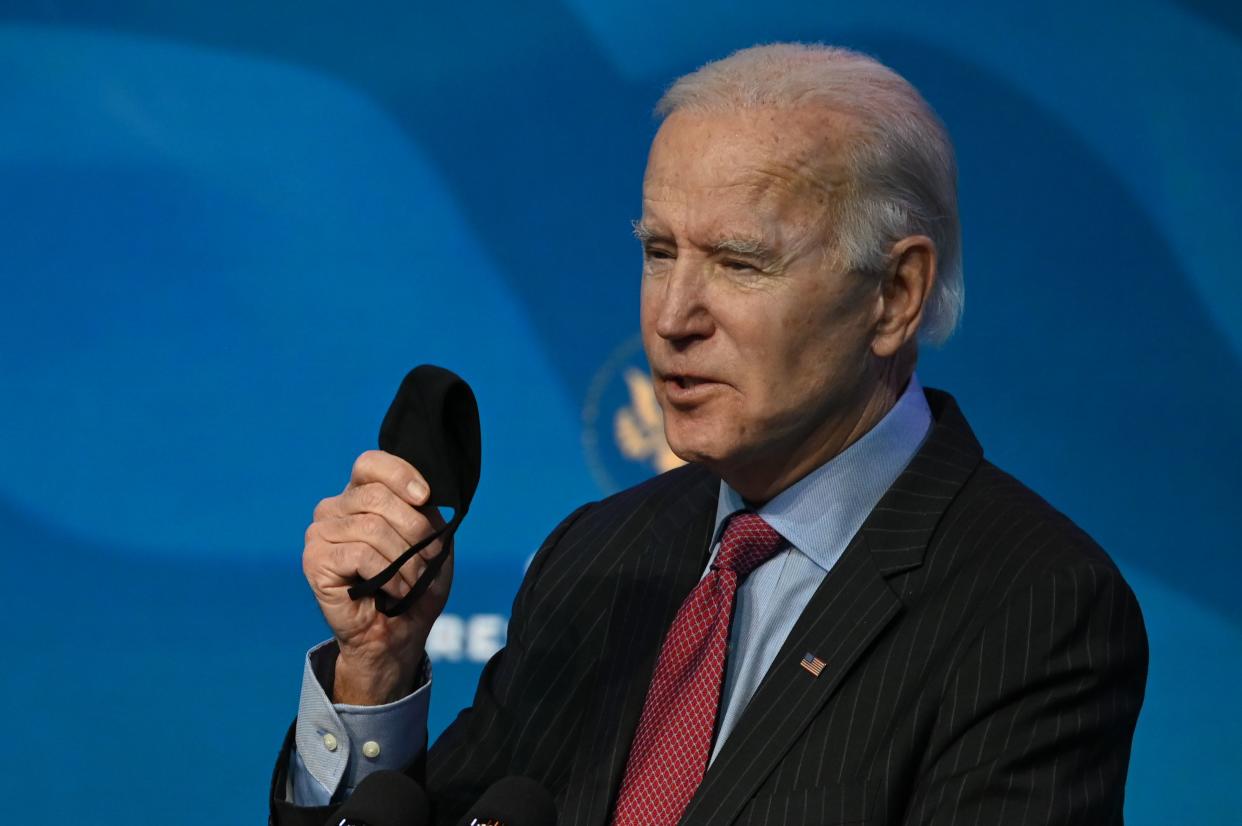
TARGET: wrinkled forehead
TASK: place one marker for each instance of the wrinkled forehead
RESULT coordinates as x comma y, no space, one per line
769,164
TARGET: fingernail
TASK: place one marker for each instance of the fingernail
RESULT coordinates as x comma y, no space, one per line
418,490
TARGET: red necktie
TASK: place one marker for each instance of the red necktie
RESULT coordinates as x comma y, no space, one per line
669,754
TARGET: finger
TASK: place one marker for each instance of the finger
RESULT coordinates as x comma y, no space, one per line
369,529
413,524
367,564
333,565
395,473
328,508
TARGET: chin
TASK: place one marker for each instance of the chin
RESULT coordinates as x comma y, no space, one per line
693,443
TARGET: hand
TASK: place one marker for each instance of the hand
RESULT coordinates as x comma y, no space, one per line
355,535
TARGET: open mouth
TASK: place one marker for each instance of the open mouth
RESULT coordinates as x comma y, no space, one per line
682,388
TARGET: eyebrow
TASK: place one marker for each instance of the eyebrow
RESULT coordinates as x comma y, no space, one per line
743,246
738,246
642,232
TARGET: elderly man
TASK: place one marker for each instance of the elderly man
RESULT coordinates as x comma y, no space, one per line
838,612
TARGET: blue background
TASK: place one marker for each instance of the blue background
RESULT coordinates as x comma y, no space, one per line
228,229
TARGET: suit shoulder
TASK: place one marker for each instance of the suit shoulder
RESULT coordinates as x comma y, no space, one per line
587,549
688,488
1003,519
1001,547
594,529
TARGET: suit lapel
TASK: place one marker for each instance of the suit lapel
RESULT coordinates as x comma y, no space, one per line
902,523
852,606
849,609
649,589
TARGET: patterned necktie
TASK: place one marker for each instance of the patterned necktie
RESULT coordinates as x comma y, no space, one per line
669,754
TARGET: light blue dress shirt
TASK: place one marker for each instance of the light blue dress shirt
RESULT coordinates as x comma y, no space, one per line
817,516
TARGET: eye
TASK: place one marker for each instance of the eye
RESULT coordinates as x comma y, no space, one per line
737,266
657,254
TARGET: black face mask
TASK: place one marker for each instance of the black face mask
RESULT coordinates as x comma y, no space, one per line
433,424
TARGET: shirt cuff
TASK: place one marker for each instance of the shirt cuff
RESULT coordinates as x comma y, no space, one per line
338,744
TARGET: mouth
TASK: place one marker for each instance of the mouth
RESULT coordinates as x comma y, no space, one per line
684,389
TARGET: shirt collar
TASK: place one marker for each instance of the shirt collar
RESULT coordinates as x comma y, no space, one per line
821,512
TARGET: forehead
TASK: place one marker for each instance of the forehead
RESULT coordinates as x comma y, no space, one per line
755,166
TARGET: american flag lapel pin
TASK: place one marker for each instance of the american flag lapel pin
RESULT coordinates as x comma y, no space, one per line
812,664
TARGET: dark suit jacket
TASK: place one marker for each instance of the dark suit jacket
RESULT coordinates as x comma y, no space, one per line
985,663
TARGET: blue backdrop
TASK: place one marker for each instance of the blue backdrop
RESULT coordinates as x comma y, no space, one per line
229,228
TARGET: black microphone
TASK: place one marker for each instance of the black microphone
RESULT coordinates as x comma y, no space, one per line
384,798
512,801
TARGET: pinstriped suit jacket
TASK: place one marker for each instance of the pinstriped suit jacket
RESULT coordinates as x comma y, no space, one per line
985,663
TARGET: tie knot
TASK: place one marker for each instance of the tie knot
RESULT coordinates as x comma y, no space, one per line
747,543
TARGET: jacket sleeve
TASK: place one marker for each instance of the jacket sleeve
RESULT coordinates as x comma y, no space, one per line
1039,713
480,746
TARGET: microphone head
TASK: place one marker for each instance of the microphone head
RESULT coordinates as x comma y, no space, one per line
512,801
384,798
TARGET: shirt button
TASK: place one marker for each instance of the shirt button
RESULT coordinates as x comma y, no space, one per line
371,749
329,742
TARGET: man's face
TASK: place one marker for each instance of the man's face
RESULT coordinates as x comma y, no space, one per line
758,339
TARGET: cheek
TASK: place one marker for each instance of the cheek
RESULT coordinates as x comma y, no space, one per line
834,320
648,307
798,344
812,348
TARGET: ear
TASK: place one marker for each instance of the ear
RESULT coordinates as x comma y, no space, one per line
907,284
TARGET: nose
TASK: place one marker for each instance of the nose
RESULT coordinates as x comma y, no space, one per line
678,303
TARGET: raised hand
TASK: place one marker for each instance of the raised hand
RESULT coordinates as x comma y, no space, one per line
355,535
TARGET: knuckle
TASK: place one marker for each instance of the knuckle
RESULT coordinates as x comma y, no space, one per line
341,555
322,507
366,464
312,564
371,496
370,525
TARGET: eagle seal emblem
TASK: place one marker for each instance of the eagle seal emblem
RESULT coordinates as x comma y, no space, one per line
623,426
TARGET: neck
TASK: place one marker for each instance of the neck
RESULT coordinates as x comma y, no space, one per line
760,481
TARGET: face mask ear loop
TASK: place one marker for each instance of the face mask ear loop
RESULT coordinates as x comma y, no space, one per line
384,603
371,587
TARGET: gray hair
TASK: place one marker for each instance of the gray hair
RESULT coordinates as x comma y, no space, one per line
902,170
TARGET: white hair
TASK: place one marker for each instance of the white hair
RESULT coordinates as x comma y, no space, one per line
903,176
